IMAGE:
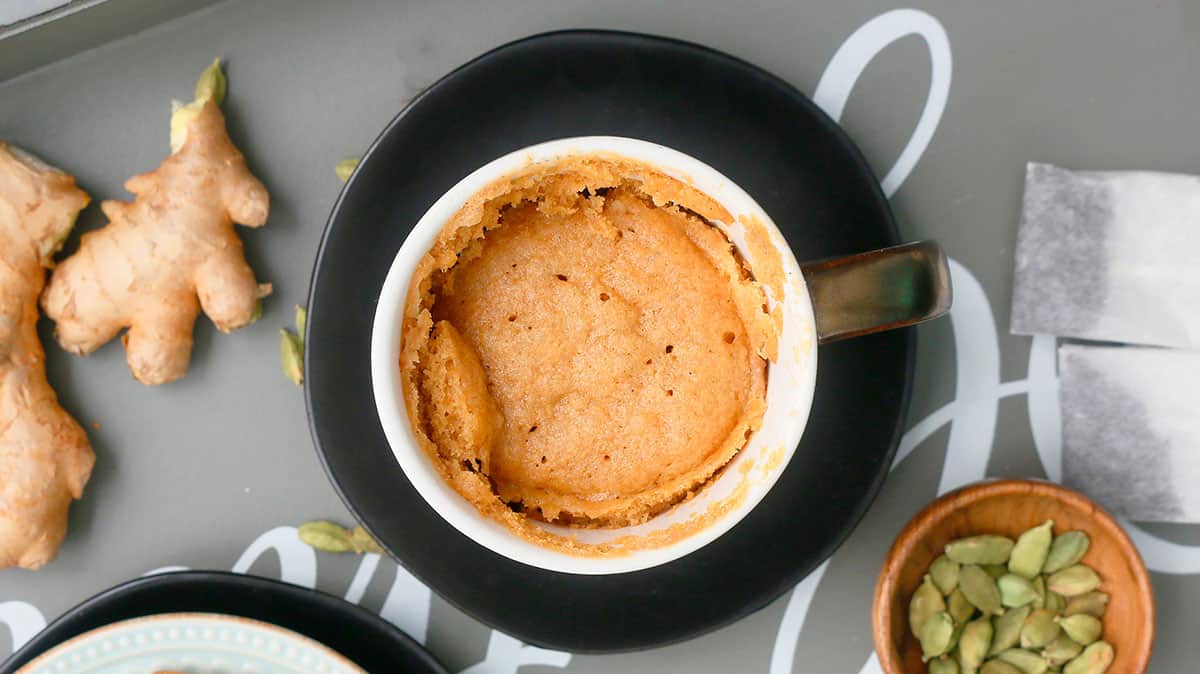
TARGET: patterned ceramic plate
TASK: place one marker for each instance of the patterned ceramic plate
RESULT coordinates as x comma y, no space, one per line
191,643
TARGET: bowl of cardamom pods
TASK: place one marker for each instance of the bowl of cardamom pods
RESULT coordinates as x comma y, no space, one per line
1013,577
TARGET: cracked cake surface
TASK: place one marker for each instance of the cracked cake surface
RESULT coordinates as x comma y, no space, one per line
582,346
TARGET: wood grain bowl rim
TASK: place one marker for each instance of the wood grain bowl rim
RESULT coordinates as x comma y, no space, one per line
933,514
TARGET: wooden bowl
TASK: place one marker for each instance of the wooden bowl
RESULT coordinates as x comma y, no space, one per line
1009,507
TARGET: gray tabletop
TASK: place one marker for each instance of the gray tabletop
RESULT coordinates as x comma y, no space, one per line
212,472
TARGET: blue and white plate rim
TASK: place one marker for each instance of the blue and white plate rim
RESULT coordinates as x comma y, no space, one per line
225,618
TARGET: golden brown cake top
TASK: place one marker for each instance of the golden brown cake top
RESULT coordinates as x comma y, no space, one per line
581,345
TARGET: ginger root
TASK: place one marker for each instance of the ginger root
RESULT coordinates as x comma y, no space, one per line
168,254
45,457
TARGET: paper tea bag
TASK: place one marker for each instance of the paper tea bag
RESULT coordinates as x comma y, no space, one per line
1131,429
1109,256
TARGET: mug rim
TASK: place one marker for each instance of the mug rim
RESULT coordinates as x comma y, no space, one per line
386,373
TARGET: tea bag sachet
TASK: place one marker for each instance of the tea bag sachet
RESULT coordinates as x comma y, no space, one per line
1131,429
1109,256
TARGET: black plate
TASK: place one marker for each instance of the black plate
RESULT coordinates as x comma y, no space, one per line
748,124
368,640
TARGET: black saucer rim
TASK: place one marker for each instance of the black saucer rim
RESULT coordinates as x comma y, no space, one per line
870,182
63,628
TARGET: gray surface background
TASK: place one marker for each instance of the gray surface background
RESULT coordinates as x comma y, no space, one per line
190,474
16,10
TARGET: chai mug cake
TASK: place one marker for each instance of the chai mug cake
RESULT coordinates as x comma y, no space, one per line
582,346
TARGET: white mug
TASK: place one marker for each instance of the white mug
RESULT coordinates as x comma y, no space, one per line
790,384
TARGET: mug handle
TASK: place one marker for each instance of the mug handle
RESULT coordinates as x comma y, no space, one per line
879,290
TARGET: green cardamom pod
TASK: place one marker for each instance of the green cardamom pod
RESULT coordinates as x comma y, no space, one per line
994,570
301,322
943,665
945,574
345,168
1015,590
1055,601
1031,549
974,643
1082,628
363,542
330,537
1061,651
291,355
986,549
1094,659
326,537
980,589
1039,629
955,636
1088,603
1039,590
958,607
1073,580
1026,661
1008,629
936,635
998,667
1066,550
925,602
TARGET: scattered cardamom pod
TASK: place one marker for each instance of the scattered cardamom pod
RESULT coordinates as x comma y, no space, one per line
943,665
301,323
1066,550
998,667
945,574
326,537
1095,659
985,549
958,607
1030,551
925,602
291,348
211,83
1026,661
291,355
1061,651
1088,603
1015,590
329,537
1039,591
980,589
345,168
1008,629
364,542
1073,580
936,635
1039,629
974,643
1082,628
